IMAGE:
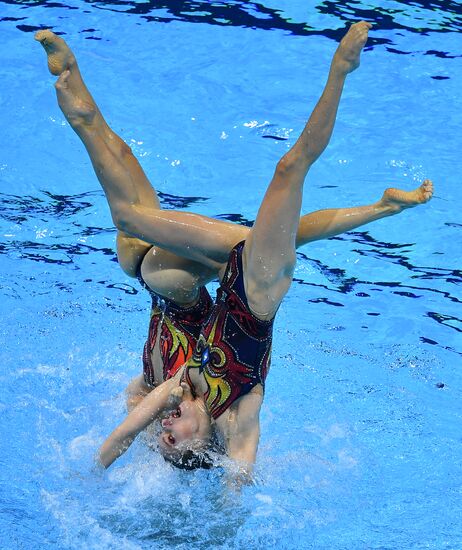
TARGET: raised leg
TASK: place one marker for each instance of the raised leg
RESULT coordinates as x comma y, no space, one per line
83,114
323,224
125,183
269,253
134,205
102,143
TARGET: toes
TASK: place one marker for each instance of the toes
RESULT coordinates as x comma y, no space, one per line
41,36
364,24
428,185
427,190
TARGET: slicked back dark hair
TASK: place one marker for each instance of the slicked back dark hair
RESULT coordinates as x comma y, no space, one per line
189,460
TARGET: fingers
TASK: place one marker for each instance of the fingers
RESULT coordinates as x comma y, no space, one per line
177,393
187,393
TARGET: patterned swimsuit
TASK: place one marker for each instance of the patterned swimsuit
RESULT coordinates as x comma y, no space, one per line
234,347
177,328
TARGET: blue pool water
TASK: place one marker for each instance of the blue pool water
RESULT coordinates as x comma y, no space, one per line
361,425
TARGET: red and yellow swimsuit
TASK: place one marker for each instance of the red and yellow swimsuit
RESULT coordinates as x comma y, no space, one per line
177,328
234,348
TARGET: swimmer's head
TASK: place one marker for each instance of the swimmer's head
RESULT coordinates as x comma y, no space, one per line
186,436
190,460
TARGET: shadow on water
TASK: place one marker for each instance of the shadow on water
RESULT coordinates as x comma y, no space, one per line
392,254
68,247
435,279
18,209
421,17
56,386
24,212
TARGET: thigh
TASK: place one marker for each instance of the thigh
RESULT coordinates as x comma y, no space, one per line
174,277
130,253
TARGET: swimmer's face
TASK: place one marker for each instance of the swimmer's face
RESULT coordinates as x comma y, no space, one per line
185,428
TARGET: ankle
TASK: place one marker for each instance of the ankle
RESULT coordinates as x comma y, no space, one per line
338,66
83,124
339,70
387,207
82,114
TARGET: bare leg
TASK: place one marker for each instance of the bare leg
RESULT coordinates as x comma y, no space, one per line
323,224
134,205
83,114
115,165
87,121
133,211
269,253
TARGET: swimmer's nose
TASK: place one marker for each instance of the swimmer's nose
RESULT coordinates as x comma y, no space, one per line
166,422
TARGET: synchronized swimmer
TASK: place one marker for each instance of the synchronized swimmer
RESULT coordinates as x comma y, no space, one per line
205,361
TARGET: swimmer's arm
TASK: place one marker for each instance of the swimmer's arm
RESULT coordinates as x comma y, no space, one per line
242,449
161,398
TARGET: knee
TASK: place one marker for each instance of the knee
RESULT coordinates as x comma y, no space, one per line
289,266
288,164
265,279
125,150
122,216
264,297
284,165
291,164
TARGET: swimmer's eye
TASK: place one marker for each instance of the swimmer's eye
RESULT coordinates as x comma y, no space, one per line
171,439
177,413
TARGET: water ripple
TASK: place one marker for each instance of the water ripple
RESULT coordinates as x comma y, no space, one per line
421,17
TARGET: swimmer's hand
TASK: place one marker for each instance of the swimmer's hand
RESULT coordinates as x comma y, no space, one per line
175,397
179,394
238,475
138,419
98,467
